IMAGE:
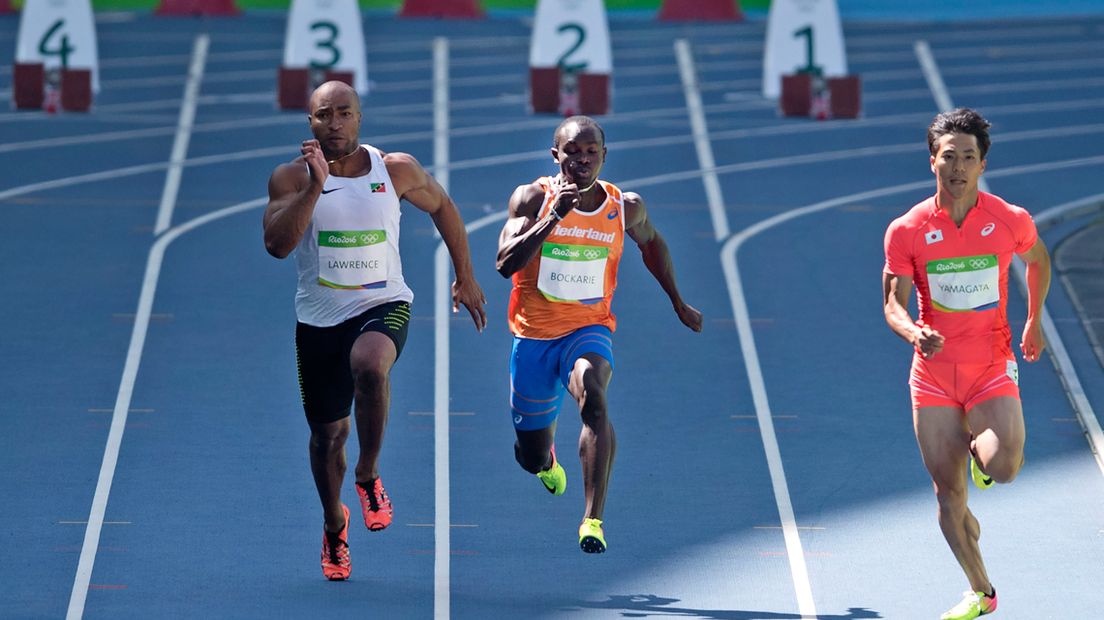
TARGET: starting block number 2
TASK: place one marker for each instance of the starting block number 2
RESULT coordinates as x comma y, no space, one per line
572,35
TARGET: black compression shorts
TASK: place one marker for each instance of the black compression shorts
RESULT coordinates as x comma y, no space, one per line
322,358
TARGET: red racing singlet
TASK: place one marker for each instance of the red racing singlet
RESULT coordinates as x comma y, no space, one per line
961,272
569,284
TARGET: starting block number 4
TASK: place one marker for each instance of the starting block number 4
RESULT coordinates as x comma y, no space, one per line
327,35
59,34
802,36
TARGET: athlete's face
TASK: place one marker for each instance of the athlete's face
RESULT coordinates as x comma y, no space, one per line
957,164
581,154
335,120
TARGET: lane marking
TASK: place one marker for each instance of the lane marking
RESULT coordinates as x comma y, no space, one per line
708,172
1059,357
700,132
442,307
81,581
183,134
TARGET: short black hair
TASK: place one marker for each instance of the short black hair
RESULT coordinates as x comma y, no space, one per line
582,121
962,120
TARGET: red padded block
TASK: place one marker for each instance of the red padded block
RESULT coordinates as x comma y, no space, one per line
76,90
797,94
28,85
340,76
544,89
704,10
594,93
293,88
197,7
440,8
846,96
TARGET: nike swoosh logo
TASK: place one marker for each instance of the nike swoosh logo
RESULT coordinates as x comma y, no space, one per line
326,191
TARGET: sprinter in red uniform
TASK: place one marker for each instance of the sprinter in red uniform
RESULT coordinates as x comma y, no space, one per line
956,247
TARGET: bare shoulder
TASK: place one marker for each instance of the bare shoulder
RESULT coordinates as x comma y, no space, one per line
526,200
292,174
634,208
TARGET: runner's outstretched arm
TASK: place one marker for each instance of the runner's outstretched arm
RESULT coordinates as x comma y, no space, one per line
422,190
657,258
1037,260
293,190
895,296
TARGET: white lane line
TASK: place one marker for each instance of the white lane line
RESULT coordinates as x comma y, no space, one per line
702,145
122,404
442,306
708,172
183,135
931,74
798,570
1063,365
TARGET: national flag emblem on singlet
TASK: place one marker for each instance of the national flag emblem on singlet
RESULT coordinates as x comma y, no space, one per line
379,188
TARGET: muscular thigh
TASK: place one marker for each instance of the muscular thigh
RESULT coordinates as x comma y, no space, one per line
1003,416
944,441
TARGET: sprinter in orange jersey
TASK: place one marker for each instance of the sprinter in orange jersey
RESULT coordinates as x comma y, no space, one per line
562,244
955,248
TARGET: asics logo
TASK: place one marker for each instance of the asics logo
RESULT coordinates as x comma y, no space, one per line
612,214
989,228
517,419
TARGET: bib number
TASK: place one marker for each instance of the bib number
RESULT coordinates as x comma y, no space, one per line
573,273
352,259
964,284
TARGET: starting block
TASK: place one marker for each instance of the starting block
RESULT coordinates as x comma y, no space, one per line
55,50
548,94
324,41
705,10
76,90
570,59
28,85
807,94
294,86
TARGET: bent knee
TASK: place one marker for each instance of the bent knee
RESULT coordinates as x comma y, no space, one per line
1004,468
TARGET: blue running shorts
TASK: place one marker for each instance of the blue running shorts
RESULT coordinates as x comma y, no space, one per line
540,370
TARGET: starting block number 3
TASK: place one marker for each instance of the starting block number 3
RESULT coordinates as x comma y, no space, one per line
327,35
59,34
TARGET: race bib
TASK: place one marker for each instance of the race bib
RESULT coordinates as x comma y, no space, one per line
573,273
352,259
1013,371
964,284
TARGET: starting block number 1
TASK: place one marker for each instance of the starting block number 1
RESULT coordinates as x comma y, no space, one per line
802,36
59,34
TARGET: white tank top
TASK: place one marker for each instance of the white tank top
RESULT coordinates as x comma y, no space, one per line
348,258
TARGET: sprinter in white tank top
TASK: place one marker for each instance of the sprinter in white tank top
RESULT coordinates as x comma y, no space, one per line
337,206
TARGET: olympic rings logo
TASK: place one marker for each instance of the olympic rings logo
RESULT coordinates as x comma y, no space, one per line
590,254
369,238
979,263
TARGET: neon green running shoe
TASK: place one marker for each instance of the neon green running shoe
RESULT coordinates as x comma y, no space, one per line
591,537
554,478
981,480
973,604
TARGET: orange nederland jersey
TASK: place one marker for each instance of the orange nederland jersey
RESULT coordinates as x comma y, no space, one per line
961,272
569,284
